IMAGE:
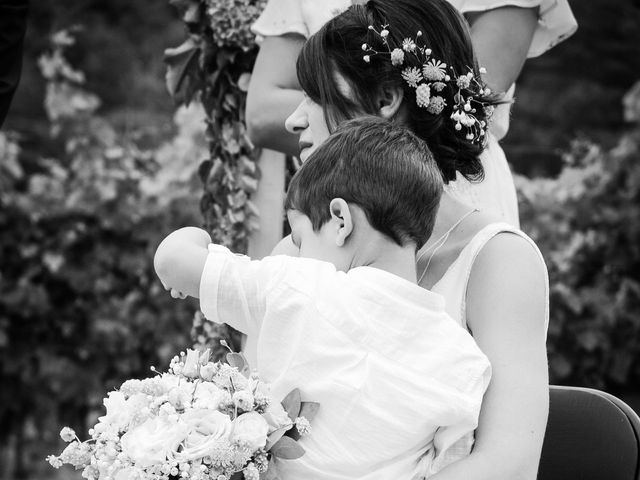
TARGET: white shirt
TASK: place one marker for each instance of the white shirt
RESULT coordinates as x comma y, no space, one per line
396,378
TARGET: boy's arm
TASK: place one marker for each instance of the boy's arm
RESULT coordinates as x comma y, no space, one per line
180,259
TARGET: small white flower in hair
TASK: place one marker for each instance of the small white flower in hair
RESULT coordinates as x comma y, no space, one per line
366,58
463,81
436,105
408,45
365,47
412,76
397,57
384,33
434,71
423,94
483,70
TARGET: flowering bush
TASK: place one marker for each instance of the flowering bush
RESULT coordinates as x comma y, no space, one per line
80,305
202,420
213,66
586,224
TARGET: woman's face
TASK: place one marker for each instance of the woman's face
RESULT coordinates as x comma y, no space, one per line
308,121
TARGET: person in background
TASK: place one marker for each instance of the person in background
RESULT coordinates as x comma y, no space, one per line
504,33
13,24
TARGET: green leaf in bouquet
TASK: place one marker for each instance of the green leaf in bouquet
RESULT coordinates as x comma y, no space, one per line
287,448
308,410
239,361
291,404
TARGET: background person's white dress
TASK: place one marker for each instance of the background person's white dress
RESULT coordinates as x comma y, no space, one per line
400,384
496,193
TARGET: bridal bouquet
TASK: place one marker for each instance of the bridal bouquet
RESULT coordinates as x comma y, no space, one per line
201,420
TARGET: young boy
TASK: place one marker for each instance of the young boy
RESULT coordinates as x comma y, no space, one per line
399,382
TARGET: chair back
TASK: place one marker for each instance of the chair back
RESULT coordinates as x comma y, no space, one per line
591,435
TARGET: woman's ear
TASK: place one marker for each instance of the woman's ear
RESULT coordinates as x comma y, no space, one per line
389,101
341,217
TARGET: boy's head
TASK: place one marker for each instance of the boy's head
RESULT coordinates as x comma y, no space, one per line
369,170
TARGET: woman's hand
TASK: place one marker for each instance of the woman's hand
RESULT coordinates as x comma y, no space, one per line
274,93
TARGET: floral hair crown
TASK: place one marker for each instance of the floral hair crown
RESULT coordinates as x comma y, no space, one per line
433,78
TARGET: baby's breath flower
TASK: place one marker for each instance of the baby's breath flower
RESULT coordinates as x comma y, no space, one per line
434,71
408,45
436,105
397,57
483,70
365,47
367,59
251,472
384,33
302,425
423,93
67,434
261,461
463,81
412,76
54,461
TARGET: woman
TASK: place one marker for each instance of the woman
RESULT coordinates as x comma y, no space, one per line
504,33
492,276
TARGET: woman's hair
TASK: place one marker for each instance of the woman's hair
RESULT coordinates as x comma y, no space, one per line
338,48
379,166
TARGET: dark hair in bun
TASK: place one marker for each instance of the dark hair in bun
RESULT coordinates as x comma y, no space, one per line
338,48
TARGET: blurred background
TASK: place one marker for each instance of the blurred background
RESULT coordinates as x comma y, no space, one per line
98,162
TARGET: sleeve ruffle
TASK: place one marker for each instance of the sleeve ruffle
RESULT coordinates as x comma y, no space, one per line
302,17
555,19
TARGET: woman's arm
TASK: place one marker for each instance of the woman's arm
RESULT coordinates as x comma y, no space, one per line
274,93
501,38
506,308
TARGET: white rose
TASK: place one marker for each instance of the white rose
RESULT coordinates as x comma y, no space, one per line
208,395
154,441
250,429
206,429
118,414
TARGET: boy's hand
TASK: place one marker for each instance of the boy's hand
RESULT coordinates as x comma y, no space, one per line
179,261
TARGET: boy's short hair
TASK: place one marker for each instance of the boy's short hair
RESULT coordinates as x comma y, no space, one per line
379,166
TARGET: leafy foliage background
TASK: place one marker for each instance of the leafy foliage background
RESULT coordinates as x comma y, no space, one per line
94,171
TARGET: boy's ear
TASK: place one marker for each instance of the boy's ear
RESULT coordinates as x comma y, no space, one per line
341,217
389,101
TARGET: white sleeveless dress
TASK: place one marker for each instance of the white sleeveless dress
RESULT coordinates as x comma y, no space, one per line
496,193
453,284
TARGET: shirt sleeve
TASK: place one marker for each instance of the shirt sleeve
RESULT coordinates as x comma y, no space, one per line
454,442
555,19
234,288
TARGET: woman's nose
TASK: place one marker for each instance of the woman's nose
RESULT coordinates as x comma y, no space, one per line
297,121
